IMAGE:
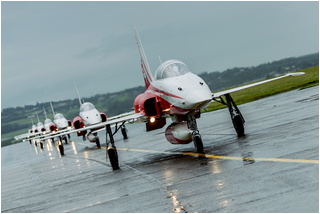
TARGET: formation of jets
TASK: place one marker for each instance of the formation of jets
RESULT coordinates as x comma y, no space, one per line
173,91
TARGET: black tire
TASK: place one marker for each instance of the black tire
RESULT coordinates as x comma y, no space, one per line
113,157
66,139
238,125
98,143
198,143
124,133
61,148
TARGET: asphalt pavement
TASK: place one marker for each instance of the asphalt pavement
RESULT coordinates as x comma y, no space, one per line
273,168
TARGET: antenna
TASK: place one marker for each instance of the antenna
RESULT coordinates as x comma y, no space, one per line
52,110
78,94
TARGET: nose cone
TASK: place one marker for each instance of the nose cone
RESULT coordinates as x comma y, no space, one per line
62,123
91,117
199,99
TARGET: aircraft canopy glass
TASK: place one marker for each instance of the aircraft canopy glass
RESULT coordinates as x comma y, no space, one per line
171,68
47,121
58,116
86,107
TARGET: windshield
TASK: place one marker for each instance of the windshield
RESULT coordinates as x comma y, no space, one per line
86,107
171,68
47,121
58,116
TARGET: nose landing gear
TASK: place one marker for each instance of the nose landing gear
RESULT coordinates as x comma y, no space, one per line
196,137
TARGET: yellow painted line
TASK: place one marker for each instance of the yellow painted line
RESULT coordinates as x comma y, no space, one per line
221,157
227,157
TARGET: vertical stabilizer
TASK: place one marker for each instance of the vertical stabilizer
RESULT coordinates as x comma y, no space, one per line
38,118
78,94
45,113
148,78
52,110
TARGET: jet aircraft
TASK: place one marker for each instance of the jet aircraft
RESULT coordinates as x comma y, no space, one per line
176,92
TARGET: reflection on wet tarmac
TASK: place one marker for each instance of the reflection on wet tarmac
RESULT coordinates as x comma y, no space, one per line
74,147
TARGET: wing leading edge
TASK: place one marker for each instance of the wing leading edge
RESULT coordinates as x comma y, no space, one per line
220,93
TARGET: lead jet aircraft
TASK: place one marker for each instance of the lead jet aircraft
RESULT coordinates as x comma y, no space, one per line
176,92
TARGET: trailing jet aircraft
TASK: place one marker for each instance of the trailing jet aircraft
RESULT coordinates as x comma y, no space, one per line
88,115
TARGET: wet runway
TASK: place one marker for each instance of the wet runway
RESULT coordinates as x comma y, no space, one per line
274,168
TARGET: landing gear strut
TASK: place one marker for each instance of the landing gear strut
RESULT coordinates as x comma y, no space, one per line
196,137
61,148
111,149
236,116
124,132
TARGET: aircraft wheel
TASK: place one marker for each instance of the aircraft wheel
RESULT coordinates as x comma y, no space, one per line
98,143
124,133
113,157
66,139
61,148
238,125
198,143
41,145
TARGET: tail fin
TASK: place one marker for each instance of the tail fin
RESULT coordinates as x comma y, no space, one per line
45,113
148,78
78,94
52,111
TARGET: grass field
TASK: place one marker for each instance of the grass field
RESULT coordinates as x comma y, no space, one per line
309,79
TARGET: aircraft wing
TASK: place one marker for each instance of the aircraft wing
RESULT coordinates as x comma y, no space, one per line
28,136
100,126
220,93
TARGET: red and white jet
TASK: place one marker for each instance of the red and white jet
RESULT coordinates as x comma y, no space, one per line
176,92
88,116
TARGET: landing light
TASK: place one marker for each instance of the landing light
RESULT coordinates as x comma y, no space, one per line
152,119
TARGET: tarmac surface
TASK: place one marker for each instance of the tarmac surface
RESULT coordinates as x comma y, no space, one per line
273,168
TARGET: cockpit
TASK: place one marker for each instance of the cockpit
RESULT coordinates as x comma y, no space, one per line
58,116
47,121
171,68
86,107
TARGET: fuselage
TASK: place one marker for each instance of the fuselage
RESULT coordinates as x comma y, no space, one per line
47,123
60,121
179,91
40,127
89,114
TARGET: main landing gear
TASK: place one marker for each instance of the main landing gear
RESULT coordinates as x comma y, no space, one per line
196,137
236,116
111,150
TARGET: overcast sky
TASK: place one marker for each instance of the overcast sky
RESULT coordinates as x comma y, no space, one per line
47,46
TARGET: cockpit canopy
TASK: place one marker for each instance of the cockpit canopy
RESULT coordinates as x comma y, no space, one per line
86,107
58,116
47,121
171,68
